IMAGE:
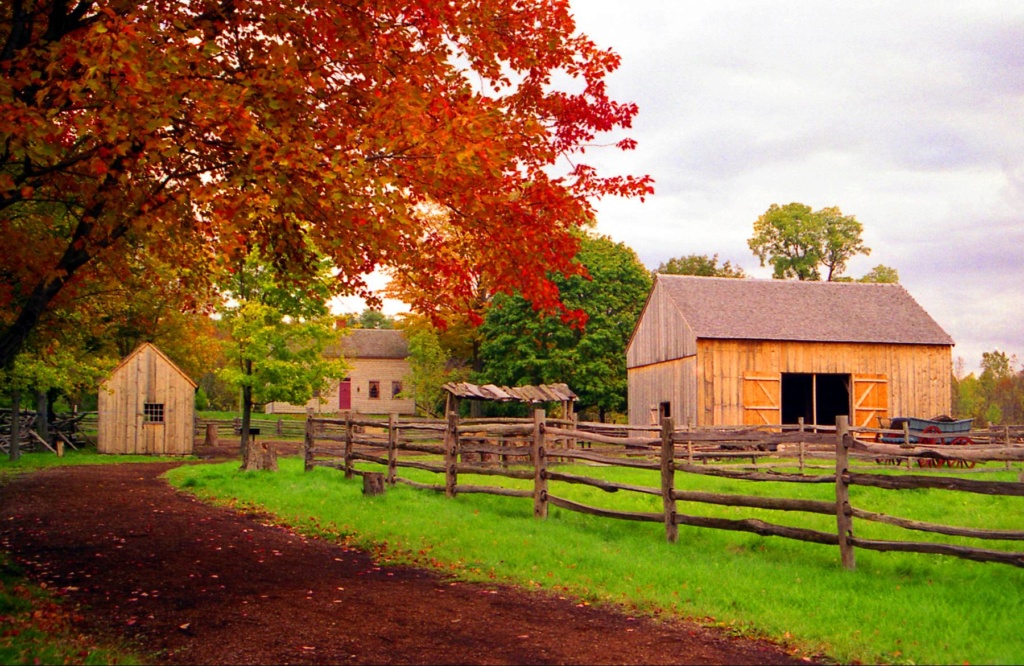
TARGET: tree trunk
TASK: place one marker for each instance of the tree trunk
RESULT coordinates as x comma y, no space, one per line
244,443
15,448
255,456
43,416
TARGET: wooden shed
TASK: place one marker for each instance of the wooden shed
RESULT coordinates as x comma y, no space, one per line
725,351
146,406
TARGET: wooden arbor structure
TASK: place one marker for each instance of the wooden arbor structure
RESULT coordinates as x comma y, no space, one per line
560,393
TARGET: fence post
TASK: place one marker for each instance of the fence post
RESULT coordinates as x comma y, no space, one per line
800,421
280,425
392,447
308,442
668,473
1006,441
451,454
844,520
348,445
540,477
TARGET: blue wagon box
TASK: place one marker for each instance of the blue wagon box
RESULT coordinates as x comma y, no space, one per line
918,427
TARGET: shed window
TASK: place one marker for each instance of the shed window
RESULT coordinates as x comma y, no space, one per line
153,412
396,388
374,389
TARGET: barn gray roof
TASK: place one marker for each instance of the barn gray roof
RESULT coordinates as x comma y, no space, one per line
372,343
746,309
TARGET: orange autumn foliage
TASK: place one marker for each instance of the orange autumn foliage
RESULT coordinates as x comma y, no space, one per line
197,129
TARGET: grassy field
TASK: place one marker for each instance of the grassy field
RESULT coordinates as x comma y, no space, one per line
42,460
900,608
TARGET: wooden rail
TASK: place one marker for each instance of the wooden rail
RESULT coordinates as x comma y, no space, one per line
528,450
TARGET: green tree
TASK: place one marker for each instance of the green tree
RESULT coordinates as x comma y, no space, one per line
881,274
993,397
277,339
59,368
368,318
522,346
798,242
430,371
700,264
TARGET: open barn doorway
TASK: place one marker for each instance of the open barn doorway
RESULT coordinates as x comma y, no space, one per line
817,398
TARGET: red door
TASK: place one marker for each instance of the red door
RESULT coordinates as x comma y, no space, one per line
345,394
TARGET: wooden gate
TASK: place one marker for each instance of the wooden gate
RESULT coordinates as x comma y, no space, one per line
762,400
870,400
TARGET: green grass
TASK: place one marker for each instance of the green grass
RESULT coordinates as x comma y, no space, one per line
36,629
41,460
895,607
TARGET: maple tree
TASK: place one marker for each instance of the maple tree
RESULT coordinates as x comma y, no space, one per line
194,130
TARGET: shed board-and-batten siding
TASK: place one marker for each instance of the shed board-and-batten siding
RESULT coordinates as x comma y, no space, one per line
144,376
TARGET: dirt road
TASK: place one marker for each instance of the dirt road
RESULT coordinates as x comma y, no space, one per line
191,583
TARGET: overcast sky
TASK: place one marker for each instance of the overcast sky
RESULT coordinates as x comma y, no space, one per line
908,115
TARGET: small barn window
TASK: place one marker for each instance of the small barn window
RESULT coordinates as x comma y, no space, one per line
664,411
153,412
374,389
396,388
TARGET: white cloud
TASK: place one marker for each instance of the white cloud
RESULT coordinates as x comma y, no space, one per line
908,115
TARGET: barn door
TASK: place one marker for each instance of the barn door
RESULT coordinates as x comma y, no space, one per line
870,400
762,400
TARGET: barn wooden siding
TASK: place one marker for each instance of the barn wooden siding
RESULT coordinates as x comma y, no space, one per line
146,376
731,382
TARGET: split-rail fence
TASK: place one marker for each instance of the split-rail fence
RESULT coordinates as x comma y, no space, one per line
533,450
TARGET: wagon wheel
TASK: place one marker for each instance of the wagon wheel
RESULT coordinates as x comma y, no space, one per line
930,462
962,441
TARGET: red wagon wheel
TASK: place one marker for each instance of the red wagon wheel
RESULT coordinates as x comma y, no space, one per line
930,462
962,441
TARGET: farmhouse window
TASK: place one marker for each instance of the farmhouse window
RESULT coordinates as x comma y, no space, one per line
374,389
153,412
396,388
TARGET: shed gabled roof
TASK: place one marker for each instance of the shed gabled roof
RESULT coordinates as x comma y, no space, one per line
744,309
149,347
372,343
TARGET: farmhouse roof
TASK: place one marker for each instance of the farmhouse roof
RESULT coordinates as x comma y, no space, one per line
732,308
373,343
539,393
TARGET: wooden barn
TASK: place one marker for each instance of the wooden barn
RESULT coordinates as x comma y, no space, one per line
725,351
146,406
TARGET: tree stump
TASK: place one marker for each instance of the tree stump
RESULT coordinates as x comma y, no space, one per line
260,456
373,483
211,435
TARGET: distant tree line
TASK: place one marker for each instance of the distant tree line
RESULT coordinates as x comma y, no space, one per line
993,397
